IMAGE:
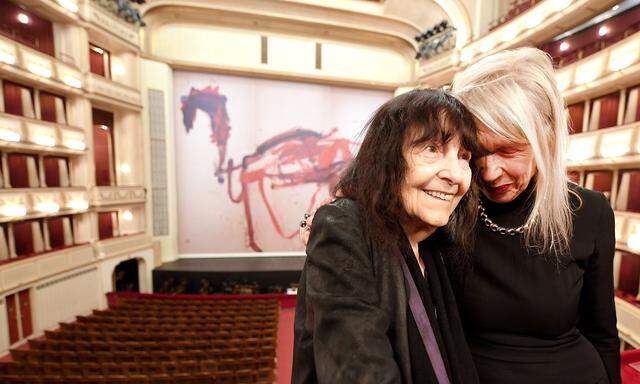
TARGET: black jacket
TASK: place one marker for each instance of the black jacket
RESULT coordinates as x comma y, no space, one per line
355,330
351,314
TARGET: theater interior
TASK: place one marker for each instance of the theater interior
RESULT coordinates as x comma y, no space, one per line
156,158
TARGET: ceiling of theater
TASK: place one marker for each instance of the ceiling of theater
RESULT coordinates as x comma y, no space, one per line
423,13
388,21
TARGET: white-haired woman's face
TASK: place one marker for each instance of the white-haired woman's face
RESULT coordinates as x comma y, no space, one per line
506,169
438,175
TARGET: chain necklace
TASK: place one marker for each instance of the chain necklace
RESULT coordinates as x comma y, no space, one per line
495,227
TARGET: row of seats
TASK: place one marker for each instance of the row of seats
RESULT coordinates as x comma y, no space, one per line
197,307
200,303
224,329
222,377
146,368
124,336
165,328
96,346
153,341
173,314
137,356
177,322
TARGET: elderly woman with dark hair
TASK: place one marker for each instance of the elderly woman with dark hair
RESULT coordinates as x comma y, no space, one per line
375,304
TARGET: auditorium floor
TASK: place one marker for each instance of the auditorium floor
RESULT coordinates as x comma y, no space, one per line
284,351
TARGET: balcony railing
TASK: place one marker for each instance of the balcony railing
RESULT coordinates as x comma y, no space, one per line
26,270
113,196
628,231
113,92
106,22
26,62
29,203
123,244
604,148
612,68
628,316
31,135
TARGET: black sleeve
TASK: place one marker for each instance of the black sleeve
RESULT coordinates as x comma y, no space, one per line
350,343
597,307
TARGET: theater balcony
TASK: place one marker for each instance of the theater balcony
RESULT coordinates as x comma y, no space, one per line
114,55
113,93
130,245
104,23
20,62
26,270
534,26
57,10
23,134
30,203
110,196
119,212
628,317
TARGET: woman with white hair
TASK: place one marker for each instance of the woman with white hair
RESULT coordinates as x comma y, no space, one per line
536,295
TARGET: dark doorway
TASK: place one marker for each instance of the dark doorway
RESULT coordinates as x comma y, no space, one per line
126,276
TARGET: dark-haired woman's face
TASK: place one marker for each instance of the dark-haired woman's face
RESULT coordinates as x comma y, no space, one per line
438,175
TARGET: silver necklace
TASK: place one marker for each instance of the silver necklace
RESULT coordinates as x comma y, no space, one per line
495,227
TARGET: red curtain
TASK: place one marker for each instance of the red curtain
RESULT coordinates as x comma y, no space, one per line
18,171
37,33
633,199
12,98
629,277
637,117
101,139
576,115
602,181
56,232
23,237
48,106
96,62
609,110
105,225
52,171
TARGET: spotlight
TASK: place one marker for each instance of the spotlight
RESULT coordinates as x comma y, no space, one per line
615,7
564,46
603,30
23,18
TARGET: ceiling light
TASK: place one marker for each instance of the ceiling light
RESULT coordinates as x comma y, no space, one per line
603,30
564,46
23,18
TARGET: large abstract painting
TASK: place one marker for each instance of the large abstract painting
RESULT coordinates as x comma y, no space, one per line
253,155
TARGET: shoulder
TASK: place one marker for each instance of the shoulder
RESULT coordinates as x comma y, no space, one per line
337,238
341,210
586,201
593,217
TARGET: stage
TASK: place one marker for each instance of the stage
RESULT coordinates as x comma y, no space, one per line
228,275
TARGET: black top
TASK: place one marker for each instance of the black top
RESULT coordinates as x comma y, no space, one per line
439,302
532,319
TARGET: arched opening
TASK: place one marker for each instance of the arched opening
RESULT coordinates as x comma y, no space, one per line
126,276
